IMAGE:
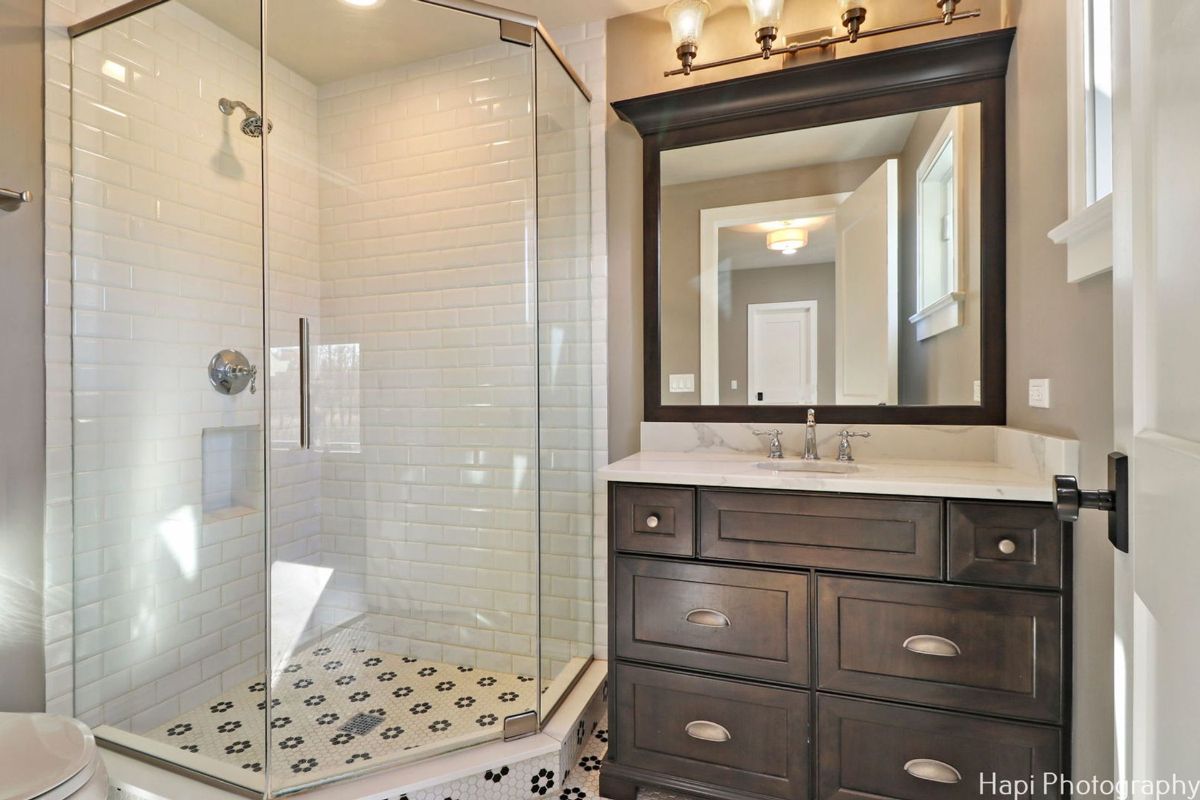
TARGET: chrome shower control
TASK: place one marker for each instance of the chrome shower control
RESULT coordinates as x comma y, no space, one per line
230,372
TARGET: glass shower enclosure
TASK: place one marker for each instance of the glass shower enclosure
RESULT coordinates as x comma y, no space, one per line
331,382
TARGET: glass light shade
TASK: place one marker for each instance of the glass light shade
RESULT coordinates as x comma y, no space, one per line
765,13
787,240
846,5
687,20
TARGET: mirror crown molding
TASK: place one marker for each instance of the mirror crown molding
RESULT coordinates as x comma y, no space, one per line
964,59
938,74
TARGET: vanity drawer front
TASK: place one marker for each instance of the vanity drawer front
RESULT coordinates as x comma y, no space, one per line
859,534
717,619
1003,543
877,750
654,519
745,737
990,650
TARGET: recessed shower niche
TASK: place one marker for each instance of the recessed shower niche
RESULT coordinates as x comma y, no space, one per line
232,461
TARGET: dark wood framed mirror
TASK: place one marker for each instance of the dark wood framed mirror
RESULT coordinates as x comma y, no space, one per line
829,236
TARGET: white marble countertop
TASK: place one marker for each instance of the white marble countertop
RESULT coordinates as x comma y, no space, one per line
933,478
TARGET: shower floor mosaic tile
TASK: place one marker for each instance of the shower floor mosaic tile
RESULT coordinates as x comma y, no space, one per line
335,709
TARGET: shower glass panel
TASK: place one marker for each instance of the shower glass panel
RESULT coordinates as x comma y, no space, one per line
333,475
565,380
169,584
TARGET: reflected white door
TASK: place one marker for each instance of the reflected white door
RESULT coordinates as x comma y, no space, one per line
1156,292
868,291
782,353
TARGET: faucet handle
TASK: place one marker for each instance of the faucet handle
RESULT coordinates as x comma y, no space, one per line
775,432
845,455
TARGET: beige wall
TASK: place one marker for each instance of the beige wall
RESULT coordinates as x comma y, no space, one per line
22,421
744,287
680,248
1055,330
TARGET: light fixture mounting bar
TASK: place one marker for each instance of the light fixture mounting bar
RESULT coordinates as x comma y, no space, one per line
826,41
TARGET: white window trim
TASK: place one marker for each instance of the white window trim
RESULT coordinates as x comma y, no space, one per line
1087,231
945,313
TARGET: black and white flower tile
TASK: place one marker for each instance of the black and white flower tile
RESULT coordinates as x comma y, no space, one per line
420,704
537,778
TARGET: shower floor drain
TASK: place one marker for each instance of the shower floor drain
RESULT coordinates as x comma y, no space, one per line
361,724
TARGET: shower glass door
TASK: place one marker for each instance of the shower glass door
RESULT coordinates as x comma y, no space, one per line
403,521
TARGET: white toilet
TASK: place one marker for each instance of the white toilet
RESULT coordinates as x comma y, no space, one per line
44,757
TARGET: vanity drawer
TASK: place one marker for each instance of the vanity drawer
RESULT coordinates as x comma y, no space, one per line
654,519
717,619
858,534
1003,543
990,650
876,750
744,737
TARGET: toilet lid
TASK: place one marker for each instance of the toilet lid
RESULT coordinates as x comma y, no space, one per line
39,752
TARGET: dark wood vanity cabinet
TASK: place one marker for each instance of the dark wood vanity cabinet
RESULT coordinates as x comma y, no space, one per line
792,645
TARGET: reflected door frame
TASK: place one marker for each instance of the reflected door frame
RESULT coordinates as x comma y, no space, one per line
712,220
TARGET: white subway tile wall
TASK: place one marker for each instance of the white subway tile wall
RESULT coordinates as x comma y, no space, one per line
184,236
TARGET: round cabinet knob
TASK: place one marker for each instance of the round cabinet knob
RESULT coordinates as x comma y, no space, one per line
1007,546
652,521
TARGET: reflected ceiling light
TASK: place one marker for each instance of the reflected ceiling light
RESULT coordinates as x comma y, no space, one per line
363,3
687,24
787,240
765,16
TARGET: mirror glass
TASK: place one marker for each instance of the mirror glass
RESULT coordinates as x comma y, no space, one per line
836,265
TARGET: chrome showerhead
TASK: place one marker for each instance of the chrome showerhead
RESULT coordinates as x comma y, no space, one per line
252,125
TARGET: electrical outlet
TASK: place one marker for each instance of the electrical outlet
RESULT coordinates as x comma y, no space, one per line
682,383
733,385
1039,392
977,391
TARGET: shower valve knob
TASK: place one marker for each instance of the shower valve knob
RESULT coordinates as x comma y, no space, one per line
230,372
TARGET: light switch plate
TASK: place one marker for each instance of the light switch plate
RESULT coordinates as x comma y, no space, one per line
1039,392
682,383
733,385
977,391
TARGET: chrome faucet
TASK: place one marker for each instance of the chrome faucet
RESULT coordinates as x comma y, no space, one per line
844,453
810,437
776,445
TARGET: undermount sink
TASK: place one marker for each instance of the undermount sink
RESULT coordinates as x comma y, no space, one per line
800,465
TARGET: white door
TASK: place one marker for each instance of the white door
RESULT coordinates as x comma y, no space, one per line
868,291
1156,291
781,358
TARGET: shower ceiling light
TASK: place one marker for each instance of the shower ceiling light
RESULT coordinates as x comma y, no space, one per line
687,22
788,240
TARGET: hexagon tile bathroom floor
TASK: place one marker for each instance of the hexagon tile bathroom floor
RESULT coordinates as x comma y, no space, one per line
334,709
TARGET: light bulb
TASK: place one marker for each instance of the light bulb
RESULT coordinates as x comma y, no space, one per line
765,16
687,24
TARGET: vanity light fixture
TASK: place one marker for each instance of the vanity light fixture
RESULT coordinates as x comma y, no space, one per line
363,3
765,16
787,240
687,23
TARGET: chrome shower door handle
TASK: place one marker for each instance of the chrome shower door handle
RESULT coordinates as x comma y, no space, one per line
305,404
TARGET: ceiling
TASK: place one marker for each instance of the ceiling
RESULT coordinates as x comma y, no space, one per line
327,40
830,144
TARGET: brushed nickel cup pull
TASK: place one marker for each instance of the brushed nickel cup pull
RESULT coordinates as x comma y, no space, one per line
928,769
1007,546
707,731
653,520
927,645
707,618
